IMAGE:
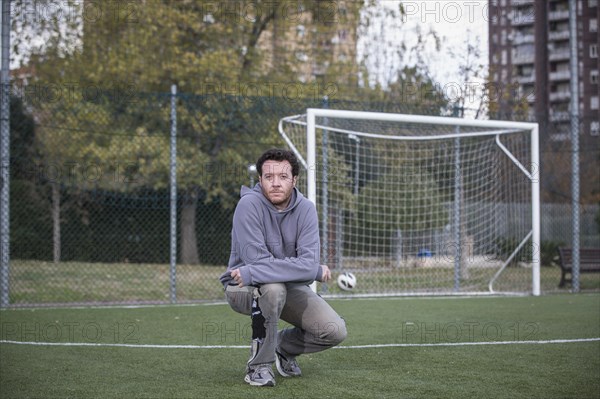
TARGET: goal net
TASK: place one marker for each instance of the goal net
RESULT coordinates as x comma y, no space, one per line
422,205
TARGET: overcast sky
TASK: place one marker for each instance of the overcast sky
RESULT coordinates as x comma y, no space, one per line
454,22
455,31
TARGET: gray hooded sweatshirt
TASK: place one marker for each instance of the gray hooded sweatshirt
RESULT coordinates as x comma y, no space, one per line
272,246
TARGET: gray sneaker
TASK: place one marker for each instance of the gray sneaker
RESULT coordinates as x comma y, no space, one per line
287,366
261,376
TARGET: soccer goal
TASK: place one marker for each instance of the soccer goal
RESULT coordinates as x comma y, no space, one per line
421,205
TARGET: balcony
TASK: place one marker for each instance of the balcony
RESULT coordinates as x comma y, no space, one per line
560,136
521,19
560,96
558,15
559,55
560,116
560,75
559,35
521,39
525,58
525,79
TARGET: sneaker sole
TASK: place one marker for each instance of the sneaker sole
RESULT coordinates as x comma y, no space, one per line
257,384
279,368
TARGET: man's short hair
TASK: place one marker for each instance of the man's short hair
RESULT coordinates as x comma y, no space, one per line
278,154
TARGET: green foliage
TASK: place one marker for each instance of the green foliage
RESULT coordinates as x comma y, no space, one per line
22,137
101,119
30,223
106,226
165,43
29,219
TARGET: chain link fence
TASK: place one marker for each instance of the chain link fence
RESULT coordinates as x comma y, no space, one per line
90,194
90,198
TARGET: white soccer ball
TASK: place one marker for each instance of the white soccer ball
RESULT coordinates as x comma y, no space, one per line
346,281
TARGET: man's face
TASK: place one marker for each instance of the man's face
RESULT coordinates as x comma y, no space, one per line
277,182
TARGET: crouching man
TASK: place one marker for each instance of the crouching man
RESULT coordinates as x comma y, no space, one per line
274,257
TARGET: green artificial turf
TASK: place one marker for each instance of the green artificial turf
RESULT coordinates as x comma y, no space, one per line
422,366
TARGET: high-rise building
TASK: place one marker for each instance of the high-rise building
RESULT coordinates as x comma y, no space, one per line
529,60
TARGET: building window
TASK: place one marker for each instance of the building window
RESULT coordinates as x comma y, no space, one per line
504,57
594,76
595,128
594,50
594,25
594,102
592,3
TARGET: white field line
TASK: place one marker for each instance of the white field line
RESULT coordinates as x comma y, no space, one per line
406,345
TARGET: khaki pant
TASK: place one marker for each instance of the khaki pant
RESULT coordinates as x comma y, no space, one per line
316,325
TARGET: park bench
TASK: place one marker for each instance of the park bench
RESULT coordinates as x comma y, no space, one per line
589,262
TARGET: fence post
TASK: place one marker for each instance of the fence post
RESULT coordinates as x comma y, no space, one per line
574,139
325,191
5,156
456,228
173,178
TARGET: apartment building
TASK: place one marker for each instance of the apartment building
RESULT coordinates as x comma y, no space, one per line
314,42
530,58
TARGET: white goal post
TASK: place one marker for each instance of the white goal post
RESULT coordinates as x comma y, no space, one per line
421,205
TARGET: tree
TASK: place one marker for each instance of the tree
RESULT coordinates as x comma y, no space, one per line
102,118
471,71
110,61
